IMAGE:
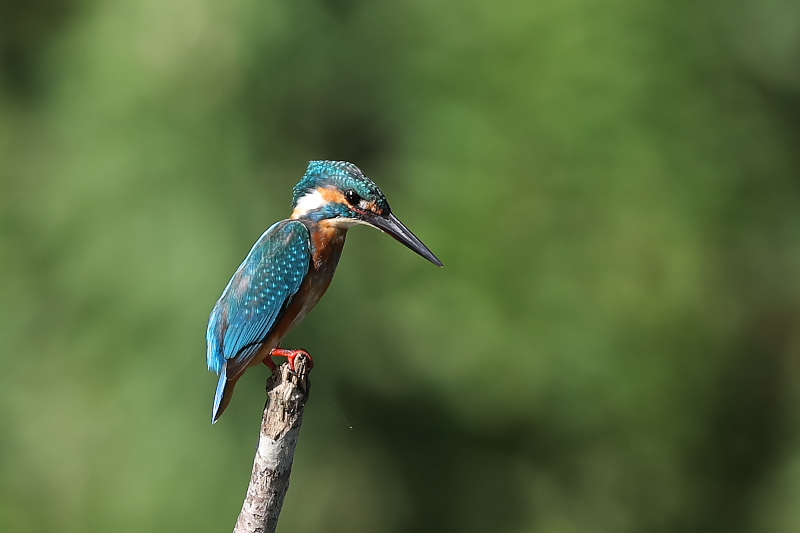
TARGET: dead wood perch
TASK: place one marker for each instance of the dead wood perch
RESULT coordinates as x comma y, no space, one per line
287,393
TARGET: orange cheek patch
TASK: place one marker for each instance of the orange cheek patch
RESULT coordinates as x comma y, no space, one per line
331,195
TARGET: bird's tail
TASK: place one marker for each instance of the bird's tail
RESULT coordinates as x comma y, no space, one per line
223,395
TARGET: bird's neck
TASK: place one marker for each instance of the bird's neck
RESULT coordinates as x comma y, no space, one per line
327,241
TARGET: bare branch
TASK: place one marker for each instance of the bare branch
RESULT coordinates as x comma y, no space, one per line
287,393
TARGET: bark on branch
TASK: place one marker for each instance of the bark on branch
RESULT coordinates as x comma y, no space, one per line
287,393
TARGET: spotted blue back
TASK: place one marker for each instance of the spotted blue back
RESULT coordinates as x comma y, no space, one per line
256,296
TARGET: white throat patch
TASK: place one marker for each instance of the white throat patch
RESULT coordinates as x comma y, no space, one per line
341,222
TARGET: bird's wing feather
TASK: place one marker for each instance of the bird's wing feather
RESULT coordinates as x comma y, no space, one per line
257,295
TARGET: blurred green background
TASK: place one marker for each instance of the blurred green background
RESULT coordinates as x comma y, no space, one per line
614,188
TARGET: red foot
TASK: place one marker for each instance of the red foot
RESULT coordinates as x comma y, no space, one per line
291,355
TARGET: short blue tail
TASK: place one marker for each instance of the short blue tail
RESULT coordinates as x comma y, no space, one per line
223,395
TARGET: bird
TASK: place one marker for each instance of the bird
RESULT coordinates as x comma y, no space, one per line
290,267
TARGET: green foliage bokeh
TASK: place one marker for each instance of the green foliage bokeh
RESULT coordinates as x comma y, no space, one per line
613,187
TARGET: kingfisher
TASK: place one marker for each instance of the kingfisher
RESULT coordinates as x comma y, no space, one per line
290,267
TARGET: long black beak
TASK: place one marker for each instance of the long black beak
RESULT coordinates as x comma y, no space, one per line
391,224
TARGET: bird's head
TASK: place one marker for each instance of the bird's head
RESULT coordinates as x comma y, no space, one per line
340,194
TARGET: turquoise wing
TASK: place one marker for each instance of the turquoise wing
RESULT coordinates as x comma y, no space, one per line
256,297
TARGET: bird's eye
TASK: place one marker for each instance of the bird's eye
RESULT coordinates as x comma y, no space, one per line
352,197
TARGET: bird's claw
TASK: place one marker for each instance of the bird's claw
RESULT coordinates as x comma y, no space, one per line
290,355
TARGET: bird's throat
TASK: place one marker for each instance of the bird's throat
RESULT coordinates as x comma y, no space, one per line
327,239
